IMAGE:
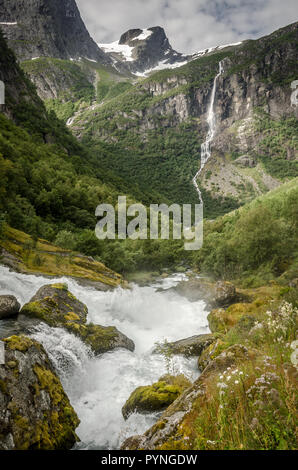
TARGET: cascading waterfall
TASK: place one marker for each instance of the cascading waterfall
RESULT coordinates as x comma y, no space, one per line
211,121
99,386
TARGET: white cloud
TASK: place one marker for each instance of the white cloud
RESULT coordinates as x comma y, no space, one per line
191,25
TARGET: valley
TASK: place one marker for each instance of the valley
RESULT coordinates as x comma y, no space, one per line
140,344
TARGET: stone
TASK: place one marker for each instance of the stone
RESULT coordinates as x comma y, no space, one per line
35,412
220,294
55,305
188,347
155,397
9,306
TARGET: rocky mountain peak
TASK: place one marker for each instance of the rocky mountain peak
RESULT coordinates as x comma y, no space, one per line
144,50
38,28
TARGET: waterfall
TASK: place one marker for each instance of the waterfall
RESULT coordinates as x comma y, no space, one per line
211,121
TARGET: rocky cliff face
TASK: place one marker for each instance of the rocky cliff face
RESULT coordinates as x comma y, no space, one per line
36,28
143,50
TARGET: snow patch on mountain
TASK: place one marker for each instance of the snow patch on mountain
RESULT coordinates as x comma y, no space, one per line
162,65
123,49
144,35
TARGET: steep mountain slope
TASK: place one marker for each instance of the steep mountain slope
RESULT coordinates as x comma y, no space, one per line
54,47
49,182
36,28
161,123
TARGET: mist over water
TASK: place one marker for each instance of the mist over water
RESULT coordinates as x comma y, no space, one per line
99,386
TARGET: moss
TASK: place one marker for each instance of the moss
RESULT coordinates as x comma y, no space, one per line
19,343
71,316
157,396
24,249
100,338
38,310
49,382
62,286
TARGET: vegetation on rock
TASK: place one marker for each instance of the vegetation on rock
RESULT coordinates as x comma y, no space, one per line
36,413
56,306
157,396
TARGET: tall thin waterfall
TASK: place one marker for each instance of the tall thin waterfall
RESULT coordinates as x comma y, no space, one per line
206,146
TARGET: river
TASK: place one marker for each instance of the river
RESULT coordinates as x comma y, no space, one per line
99,386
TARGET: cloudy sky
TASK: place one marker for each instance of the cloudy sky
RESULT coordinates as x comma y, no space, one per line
191,25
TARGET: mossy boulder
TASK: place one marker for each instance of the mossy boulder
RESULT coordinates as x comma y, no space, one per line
35,412
221,321
55,305
9,306
187,347
155,397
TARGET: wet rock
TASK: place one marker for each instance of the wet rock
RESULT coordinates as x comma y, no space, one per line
188,347
220,294
35,412
155,397
9,306
58,307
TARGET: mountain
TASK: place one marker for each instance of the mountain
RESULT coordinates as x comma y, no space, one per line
50,183
144,50
161,122
42,28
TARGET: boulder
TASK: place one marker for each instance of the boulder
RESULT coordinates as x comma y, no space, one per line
188,347
220,294
9,306
35,412
221,320
155,397
56,306
225,294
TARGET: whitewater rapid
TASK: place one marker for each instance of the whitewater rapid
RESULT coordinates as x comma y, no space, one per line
99,386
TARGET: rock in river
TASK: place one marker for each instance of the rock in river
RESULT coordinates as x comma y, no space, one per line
9,306
187,347
156,397
35,412
58,307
